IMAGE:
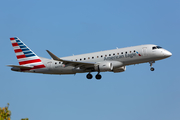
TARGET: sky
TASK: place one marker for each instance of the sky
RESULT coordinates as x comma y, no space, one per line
80,26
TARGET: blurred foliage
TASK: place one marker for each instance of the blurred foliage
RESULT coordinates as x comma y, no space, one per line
5,113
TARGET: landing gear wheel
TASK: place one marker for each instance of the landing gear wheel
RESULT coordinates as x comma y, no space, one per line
89,76
151,64
98,76
152,69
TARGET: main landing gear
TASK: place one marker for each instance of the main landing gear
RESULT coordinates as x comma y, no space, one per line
98,76
151,63
89,76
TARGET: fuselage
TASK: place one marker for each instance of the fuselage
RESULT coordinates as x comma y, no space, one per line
127,56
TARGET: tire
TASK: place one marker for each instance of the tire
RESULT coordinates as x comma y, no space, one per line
89,76
152,69
98,76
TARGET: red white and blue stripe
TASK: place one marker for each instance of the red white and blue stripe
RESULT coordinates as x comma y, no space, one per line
25,55
138,53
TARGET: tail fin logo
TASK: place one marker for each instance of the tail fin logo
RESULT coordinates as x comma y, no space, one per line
25,55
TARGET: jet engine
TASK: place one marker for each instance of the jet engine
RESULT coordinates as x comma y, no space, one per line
108,66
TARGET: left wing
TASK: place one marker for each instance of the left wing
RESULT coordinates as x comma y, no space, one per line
72,63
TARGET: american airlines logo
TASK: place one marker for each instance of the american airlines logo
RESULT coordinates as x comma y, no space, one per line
131,55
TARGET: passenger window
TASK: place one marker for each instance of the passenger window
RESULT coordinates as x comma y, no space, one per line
84,58
105,55
88,57
113,53
109,54
130,51
126,52
80,59
55,62
121,52
76,59
101,55
134,51
92,57
117,53
97,56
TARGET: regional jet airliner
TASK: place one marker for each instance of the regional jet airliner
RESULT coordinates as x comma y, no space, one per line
114,60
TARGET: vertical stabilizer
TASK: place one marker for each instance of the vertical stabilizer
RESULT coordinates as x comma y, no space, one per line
25,56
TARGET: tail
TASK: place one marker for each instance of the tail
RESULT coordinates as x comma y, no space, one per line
25,56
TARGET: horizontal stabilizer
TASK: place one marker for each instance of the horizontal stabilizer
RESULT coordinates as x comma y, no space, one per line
19,66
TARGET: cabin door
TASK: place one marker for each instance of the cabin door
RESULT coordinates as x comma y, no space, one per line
144,51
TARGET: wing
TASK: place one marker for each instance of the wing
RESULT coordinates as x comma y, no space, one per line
72,63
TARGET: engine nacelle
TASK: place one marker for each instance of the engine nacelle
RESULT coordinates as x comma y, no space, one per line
108,66
120,69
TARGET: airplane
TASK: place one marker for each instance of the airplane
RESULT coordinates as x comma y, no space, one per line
114,60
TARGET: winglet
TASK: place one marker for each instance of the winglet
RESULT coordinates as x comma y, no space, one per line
54,57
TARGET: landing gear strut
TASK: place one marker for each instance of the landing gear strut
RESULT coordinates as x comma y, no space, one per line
98,76
151,63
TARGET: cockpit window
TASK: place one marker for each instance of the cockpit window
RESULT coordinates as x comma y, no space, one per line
156,47
159,47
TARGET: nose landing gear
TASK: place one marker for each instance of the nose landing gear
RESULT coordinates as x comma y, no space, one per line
151,63
152,69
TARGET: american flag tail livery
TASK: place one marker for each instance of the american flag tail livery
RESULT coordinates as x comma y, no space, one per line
27,59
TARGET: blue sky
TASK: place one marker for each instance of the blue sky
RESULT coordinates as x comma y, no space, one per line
79,26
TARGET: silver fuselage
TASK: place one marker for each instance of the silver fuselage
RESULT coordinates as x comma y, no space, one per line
127,56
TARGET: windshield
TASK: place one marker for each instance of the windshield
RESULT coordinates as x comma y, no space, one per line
159,47
156,47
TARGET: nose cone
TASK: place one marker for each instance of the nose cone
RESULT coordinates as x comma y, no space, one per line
167,53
